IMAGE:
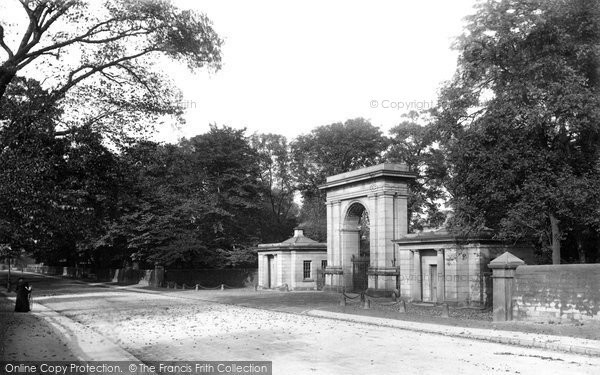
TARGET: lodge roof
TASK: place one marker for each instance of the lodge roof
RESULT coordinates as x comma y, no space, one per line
298,242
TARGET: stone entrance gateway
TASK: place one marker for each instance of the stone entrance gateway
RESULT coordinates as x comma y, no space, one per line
366,210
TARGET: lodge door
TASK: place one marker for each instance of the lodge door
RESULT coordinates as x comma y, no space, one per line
433,282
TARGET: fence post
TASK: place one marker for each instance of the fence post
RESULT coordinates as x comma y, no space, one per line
159,276
367,304
445,311
503,282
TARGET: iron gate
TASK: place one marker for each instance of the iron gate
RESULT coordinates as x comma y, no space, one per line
320,278
360,266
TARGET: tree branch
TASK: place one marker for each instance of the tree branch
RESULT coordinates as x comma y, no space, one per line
24,56
61,11
4,46
30,28
82,39
112,78
74,81
137,78
88,123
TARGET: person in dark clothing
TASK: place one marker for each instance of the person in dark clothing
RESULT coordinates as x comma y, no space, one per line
23,296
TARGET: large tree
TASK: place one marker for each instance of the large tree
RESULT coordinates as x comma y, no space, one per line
99,64
231,187
99,58
520,120
326,151
195,204
279,186
55,192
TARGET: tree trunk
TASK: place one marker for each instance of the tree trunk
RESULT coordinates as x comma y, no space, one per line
580,248
8,282
6,76
556,237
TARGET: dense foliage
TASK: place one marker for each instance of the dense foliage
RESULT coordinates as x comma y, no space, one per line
414,144
326,151
102,59
200,203
520,123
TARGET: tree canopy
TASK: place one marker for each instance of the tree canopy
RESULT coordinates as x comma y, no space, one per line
275,166
101,58
54,191
198,203
74,74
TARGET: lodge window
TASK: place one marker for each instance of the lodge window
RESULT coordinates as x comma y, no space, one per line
324,264
306,269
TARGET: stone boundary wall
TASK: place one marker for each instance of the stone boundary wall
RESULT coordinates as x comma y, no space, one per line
553,293
122,276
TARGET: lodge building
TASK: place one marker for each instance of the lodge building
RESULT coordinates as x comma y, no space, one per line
295,264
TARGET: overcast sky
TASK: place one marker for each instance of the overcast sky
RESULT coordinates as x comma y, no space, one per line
289,67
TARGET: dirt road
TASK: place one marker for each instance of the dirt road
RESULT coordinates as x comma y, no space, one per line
157,326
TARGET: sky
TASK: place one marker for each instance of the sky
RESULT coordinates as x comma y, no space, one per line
291,66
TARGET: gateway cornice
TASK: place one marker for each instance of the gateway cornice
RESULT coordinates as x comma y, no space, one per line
387,170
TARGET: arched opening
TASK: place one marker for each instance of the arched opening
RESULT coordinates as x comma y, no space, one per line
357,243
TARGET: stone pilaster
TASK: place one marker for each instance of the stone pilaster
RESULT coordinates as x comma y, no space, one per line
441,275
416,292
334,247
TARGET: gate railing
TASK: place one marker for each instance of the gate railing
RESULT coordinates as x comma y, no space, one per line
360,266
320,278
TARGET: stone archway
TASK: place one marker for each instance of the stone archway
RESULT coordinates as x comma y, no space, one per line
380,191
356,233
